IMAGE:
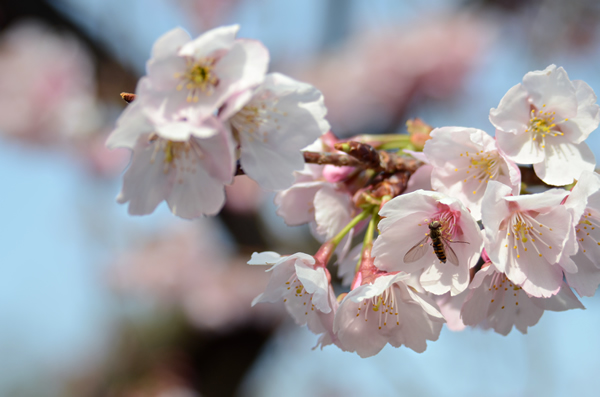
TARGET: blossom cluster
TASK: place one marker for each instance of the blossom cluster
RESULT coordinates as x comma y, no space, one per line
451,234
204,105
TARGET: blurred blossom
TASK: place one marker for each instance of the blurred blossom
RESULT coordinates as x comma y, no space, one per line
206,14
188,268
369,81
47,92
243,195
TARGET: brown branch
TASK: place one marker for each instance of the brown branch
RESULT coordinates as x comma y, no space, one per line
331,158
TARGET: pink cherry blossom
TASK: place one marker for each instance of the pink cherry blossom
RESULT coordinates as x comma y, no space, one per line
464,160
327,207
174,161
187,266
584,204
386,311
198,76
405,225
47,88
544,120
450,307
525,237
421,178
494,301
281,117
303,285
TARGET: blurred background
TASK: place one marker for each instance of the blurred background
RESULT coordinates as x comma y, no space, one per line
94,302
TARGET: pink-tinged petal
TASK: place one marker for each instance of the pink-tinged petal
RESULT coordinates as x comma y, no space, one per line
520,148
552,89
283,117
475,308
162,73
493,207
578,128
464,160
363,325
419,201
426,302
420,179
194,194
211,41
243,67
496,245
281,276
587,278
519,310
512,114
315,282
235,103
440,278
539,202
564,300
542,281
418,155
513,172
396,239
145,184
217,153
588,184
564,162
131,124
296,204
182,131
264,258
450,307
333,211
169,43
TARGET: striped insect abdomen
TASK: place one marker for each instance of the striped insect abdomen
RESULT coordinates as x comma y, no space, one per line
438,249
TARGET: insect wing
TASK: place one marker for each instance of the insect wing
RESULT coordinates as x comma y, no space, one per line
418,251
450,254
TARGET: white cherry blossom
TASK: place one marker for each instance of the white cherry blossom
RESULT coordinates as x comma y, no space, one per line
496,302
584,204
198,76
405,225
544,121
464,160
386,311
281,117
180,162
304,288
326,206
525,237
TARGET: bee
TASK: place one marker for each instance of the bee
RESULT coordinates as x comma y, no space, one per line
441,246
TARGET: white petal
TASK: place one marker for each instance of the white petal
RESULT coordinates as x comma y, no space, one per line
215,39
564,162
552,89
264,258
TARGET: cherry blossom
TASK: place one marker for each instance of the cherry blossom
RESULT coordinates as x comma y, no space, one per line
406,224
544,120
281,117
303,285
464,160
494,301
584,204
180,162
386,311
198,76
525,237
326,206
